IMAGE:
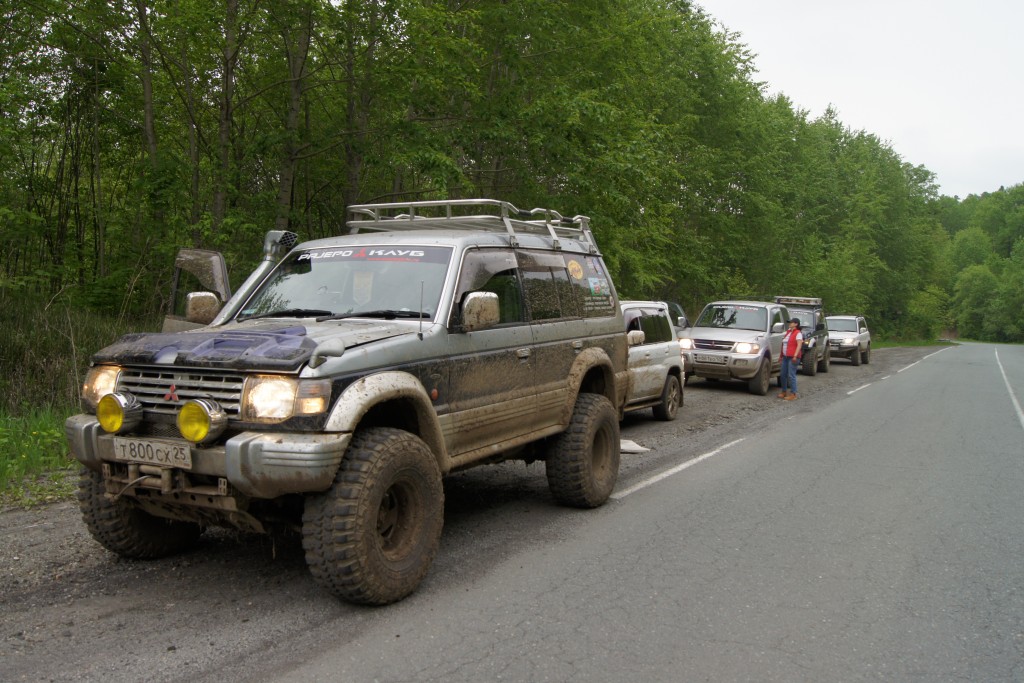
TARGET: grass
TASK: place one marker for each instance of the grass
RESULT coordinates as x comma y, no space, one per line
34,464
45,345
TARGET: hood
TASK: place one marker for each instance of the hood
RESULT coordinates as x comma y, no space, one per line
251,345
724,334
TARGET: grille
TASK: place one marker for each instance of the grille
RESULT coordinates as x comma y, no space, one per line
712,344
153,388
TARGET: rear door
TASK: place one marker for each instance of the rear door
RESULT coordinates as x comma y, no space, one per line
650,361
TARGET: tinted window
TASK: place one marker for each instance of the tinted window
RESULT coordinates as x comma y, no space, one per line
493,271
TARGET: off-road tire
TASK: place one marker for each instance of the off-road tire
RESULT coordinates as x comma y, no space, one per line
855,356
582,463
122,528
671,399
867,355
826,360
758,384
372,536
810,366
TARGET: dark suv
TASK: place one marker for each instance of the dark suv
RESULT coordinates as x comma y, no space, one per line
347,376
808,310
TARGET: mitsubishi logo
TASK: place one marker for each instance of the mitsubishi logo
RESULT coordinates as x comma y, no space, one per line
172,394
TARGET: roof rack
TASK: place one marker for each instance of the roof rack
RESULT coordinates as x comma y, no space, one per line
453,214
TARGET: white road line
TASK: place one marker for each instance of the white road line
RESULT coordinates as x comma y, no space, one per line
925,358
1013,397
668,473
854,391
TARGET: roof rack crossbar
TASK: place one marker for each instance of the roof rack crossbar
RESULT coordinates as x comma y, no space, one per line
503,216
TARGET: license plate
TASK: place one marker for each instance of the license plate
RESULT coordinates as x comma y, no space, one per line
163,453
708,358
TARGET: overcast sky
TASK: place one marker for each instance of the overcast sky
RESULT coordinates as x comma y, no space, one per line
940,81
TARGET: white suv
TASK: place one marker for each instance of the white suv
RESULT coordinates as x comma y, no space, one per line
655,361
849,337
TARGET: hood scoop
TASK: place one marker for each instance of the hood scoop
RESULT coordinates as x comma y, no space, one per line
271,349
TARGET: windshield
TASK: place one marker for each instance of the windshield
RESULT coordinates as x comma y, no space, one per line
806,318
735,317
375,281
842,324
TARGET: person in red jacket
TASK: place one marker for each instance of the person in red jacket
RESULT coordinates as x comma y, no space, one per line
792,349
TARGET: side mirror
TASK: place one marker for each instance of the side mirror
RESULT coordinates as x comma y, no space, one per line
863,330
480,311
682,321
201,307
819,327
777,328
635,337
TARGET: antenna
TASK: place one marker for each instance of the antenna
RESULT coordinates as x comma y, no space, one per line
421,311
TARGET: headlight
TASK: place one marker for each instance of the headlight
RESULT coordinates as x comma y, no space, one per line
201,420
849,341
686,344
746,347
268,398
99,381
118,412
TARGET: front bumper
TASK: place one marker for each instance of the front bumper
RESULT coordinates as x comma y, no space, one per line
841,350
726,365
257,464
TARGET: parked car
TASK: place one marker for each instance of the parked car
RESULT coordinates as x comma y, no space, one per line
655,360
681,324
809,311
737,340
347,376
849,337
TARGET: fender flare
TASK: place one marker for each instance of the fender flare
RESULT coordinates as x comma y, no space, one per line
366,392
589,359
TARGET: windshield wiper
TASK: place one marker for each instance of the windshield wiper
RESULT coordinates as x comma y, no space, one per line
288,313
386,313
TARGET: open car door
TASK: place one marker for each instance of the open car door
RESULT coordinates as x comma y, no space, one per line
199,290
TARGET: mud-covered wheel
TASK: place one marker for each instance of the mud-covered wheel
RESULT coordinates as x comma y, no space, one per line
372,536
810,365
758,384
671,399
122,528
826,360
867,355
855,356
582,463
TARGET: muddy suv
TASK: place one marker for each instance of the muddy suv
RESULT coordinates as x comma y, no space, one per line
737,340
347,376
655,361
808,310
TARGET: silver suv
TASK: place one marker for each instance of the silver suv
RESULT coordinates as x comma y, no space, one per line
655,360
347,376
737,340
849,337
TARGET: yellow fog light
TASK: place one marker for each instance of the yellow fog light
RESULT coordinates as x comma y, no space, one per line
201,420
118,412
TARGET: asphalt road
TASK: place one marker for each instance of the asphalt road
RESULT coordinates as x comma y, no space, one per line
869,531
876,538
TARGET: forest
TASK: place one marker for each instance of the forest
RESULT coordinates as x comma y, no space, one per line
131,128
